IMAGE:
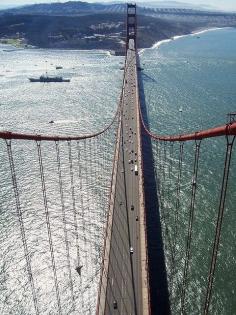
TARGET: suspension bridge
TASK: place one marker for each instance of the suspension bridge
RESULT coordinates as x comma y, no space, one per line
97,223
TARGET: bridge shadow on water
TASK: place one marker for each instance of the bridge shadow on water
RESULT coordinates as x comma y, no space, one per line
157,271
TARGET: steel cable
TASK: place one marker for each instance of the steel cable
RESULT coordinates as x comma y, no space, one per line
178,189
46,210
190,224
84,252
88,216
215,248
74,203
177,204
64,222
22,226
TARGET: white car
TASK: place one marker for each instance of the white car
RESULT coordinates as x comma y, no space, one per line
131,250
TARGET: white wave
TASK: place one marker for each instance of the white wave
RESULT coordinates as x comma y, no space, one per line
180,36
66,121
156,45
207,30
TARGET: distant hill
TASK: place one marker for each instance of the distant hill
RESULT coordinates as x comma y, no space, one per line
106,31
67,8
176,5
85,8
81,25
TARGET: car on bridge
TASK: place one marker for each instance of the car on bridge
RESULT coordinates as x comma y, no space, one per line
115,305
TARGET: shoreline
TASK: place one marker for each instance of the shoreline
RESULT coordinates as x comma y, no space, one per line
193,33
111,52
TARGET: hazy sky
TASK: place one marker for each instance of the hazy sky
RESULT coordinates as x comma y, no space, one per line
220,4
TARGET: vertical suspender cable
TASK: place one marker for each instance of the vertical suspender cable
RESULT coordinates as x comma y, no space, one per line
170,167
163,192
105,203
177,204
176,218
92,218
22,227
98,194
83,249
64,222
168,194
87,222
154,145
219,222
45,201
100,180
74,203
157,168
106,159
164,162
159,160
190,225
160,163
85,253
171,157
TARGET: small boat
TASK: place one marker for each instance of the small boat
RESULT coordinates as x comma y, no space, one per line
47,79
9,50
180,109
59,67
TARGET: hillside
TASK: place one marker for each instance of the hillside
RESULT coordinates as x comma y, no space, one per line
106,31
81,25
67,8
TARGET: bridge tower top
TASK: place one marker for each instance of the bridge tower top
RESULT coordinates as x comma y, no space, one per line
131,25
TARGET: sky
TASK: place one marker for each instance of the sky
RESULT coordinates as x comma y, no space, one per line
229,5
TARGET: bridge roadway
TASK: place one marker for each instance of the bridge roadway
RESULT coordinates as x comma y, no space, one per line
124,278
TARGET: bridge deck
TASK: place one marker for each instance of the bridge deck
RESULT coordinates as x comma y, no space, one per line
126,276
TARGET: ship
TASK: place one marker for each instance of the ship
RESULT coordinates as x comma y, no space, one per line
47,79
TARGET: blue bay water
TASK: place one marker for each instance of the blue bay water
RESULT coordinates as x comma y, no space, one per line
189,85
195,73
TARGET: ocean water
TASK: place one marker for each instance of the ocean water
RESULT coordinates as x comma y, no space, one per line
189,85
87,104
195,74
75,107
